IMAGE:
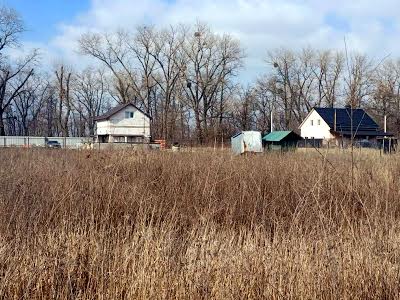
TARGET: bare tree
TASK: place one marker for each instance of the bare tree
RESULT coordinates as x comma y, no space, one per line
128,58
13,75
244,109
142,49
328,72
359,79
89,91
385,99
11,26
52,113
111,51
29,103
212,59
63,87
265,97
284,63
304,85
170,66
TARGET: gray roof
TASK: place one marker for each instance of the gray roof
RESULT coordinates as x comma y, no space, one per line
118,108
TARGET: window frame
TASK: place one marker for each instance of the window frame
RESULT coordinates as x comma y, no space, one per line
129,114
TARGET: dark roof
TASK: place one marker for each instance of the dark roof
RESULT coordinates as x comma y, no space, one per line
378,133
118,108
362,122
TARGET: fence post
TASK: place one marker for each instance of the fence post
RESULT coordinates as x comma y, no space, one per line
5,142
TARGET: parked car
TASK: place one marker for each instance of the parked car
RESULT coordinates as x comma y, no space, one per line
53,144
363,144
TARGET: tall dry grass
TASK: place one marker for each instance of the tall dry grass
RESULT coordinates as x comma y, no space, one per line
125,225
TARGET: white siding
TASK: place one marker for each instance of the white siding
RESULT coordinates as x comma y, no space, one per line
318,129
118,125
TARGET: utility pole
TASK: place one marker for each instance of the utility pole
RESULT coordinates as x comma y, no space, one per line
272,120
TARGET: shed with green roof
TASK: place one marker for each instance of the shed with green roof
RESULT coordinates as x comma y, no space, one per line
281,140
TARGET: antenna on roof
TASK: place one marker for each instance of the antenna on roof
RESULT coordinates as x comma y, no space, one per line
351,117
272,120
334,120
384,123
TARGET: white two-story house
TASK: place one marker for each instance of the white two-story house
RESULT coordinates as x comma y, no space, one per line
125,123
337,125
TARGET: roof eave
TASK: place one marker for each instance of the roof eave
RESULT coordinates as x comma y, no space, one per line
107,115
305,119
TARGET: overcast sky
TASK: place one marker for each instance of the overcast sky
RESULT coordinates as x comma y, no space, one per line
371,27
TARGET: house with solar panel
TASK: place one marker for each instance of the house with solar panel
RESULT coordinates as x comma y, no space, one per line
335,126
125,123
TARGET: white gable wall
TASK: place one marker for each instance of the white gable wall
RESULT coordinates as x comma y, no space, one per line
321,131
118,125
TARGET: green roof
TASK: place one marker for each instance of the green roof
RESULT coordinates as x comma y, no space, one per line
276,136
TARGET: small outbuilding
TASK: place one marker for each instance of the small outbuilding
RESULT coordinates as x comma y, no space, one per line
281,140
246,141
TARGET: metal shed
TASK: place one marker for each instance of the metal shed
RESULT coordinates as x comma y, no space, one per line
246,141
281,140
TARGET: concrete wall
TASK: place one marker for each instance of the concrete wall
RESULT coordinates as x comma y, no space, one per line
39,141
118,125
319,129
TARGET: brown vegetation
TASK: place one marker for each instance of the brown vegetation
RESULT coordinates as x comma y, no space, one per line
110,225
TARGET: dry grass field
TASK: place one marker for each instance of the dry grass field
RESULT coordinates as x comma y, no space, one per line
126,225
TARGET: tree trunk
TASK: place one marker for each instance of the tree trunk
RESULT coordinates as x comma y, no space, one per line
205,128
65,123
2,129
198,128
91,125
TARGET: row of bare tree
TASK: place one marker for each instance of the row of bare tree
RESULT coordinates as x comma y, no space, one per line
186,78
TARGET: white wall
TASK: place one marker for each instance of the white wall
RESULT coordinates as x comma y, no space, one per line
315,131
252,139
36,141
120,126
237,144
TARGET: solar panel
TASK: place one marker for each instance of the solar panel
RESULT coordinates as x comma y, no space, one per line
361,120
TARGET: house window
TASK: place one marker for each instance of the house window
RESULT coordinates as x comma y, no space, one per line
312,122
128,114
119,139
319,122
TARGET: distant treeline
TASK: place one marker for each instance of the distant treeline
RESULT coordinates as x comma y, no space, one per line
187,78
